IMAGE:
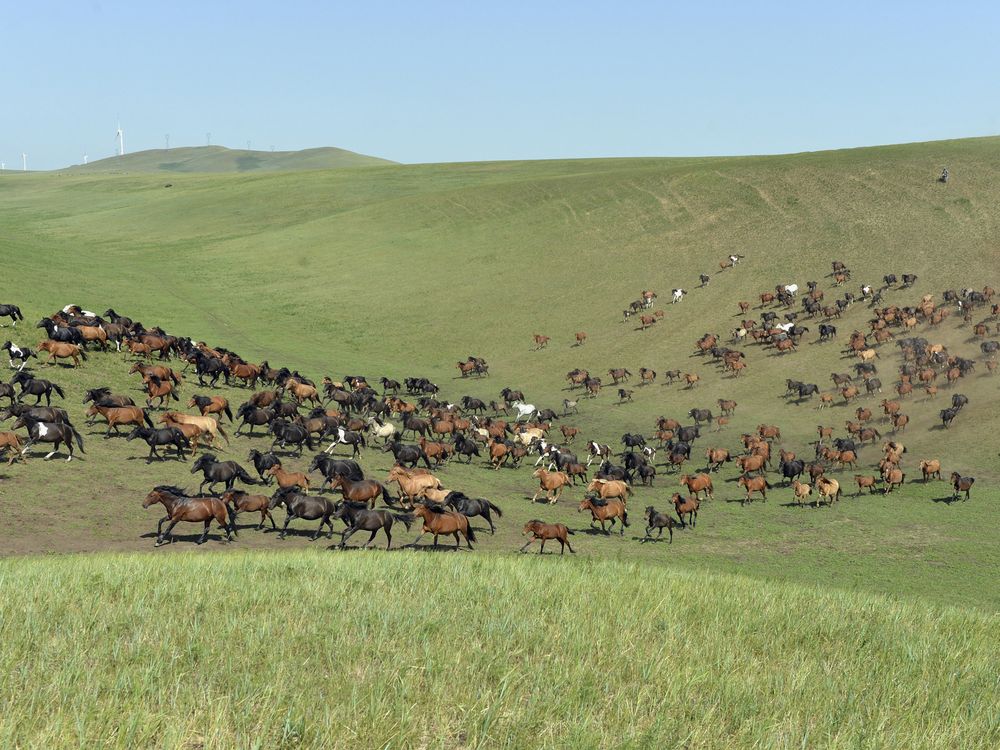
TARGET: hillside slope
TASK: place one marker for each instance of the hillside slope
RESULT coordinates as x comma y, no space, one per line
214,159
404,270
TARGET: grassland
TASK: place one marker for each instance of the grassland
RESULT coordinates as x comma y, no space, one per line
403,270
370,650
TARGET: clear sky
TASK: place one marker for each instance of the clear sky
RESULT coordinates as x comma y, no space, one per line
457,81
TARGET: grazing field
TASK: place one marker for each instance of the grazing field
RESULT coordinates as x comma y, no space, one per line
373,650
767,624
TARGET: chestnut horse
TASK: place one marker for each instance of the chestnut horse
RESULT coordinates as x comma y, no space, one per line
545,531
439,521
181,507
602,511
58,350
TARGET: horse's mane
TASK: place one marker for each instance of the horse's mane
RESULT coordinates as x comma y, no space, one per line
170,489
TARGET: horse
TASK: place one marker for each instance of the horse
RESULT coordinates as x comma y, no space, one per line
698,483
216,471
961,484
612,510
657,520
49,432
286,432
36,387
347,437
159,389
181,507
164,436
359,517
238,501
406,454
119,415
524,411
13,312
540,341
439,521
211,405
253,416
289,478
687,507
262,462
542,531
16,352
412,486
359,490
754,484
378,428
552,483
306,507
470,507
207,424
606,489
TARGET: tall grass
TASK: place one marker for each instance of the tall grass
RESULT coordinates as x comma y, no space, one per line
453,650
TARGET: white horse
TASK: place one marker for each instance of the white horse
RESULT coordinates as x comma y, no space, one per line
523,410
792,289
379,429
678,295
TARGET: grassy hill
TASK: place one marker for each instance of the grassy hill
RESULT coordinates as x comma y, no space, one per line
404,270
215,159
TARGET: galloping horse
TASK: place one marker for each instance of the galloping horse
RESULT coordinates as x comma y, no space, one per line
439,521
545,531
181,507
306,507
49,432
13,312
358,517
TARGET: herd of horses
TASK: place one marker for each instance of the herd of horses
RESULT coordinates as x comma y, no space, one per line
350,414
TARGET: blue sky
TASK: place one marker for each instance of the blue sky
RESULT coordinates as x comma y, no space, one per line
458,81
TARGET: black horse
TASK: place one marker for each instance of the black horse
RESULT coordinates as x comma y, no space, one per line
471,507
306,507
65,334
792,469
36,387
348,437
13,312
216,471
661,521
471,404
210,367
36,413
262,462
253,416
286,432
359,517
104,397
466,447
50,432
630,440
406,454
21,353
7,390
331,468
161,436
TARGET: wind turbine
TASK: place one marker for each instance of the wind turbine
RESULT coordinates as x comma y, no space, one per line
120,135
24,162
85,159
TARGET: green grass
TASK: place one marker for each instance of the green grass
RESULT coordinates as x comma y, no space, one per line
409,650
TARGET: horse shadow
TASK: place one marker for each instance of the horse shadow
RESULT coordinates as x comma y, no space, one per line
947,500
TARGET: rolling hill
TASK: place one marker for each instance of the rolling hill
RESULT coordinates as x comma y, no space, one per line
404,270
216,159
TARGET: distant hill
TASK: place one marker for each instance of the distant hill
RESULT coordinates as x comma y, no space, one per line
221,159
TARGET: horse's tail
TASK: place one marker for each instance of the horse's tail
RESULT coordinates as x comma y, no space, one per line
57,389
228,413
222,431
494,508
17,313
570,531
175,376
244,477
145,417
78,436
405,518
173,395
231,512
470,534
624,516
389,499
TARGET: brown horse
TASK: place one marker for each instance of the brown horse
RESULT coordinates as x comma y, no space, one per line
607,489
58,350
239,501
540,341
931,468
211,405
289,478
754,484
961,484
119,415
11,441
249,374
181,507
207,424
552,483
687,506
159,389
581,338
361,490
698,483
612,510
545,531
302,392
439,521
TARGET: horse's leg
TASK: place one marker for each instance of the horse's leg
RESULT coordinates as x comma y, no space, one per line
370,539
346,534
525,545
169,533
542,550
204,534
